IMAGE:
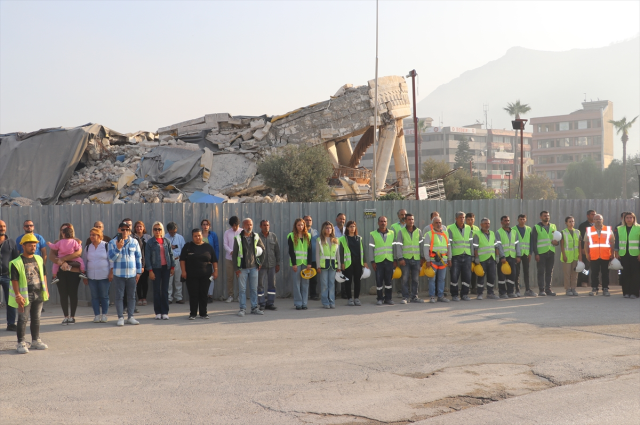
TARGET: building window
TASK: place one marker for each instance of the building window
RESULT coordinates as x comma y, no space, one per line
565,158
545,159
545,144
581,141
596,123
583,124
551,174
527,154
597,140
498,139
564,126
564,142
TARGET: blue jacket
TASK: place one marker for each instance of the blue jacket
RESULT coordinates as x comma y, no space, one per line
213,241
152,254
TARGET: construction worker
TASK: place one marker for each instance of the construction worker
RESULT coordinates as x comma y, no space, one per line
407,256
485,244
569,256
584,278
599,245
628,252
524,240
437,253
429,227
461,237
470,220
381,243
510,253
544,248
396,227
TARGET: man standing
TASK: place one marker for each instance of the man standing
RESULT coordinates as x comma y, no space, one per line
100,225
339,229
524,240
407,255
509,247
437,252
544,248
41,248
486,246
599,244
381,243
8,253
429,227
28,289
229,237
177,243
246,265
124,252
470,220
269,267
313,236
584,278
461,237
396,227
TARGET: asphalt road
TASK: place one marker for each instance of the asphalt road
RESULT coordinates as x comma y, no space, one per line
553,360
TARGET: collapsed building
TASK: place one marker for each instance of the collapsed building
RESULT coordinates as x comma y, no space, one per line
208,159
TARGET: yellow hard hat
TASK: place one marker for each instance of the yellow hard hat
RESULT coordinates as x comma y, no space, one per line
308,273
397,273
506,268
478,270
430,272
29,237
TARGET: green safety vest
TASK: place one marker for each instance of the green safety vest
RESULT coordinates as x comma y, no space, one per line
440,245
633,242
475,230
460,243
411,244
300,249
240,251
383,250
486,247
396,227
525,241
327,258
347,252
508,242
571,246
544,239
22,282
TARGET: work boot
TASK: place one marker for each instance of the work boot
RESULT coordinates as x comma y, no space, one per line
443,300
550,293
530,293
542,294
605,292
493,297
466,298
504,296
594,291
512,296
479,297
455,298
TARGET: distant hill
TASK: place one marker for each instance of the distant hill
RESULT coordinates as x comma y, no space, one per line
552,83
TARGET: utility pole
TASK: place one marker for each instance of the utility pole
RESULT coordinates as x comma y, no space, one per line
486,121
375,118
413,75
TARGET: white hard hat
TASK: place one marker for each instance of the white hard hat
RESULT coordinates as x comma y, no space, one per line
557,236
341,277
579,266
258,251
615,264
365,273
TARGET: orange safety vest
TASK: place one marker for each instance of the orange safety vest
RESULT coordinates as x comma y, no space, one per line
432,254
599,245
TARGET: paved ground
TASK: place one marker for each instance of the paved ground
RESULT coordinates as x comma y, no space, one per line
562,360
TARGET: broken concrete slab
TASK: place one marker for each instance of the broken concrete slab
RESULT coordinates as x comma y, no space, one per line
125,179
256,185
174,198
106,197
232,173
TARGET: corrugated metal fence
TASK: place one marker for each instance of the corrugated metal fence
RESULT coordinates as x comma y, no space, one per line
47,220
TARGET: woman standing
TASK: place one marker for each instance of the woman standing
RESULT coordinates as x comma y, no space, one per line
352,260
199,264
140,234
69,278
159,263
210,237
569,256
299,255
627,249
328,263
97,264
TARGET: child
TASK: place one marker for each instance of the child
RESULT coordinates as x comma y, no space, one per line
67,246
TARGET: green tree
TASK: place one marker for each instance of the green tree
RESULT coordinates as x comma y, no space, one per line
457,184
478,194
539,186
392,196
301,172
623,127
463,154
586,175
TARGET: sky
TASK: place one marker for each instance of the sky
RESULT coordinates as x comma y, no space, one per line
142,65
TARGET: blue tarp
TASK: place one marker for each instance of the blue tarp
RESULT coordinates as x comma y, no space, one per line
204,198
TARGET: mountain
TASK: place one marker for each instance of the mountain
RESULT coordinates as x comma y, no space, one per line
552,83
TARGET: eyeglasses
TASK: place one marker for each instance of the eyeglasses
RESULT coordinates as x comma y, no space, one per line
157,230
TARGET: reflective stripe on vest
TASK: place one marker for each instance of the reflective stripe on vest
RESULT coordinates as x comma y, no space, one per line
410,244
437,242
486,247
383,250
23,284
544,239
571,246
525,241
329,257
241,250
633,242
347,252
460,242
509,242
301,249
599,245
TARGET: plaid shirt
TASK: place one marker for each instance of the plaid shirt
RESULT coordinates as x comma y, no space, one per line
127,262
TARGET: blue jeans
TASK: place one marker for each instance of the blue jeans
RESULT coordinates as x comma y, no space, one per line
328,286
161,290
460,270
437,282
410,267
99,295
121,284
300,288
11,311
252,274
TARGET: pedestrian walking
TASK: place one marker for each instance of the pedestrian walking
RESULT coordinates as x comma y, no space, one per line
437,254
140,233
269,268
68,278
544,248
352,260
570,255
407,256
627,250
177,243
313,237
8,253
210,237
96,258
328,264
126,257
524,240
599,246
247,263
461,239
228,240
509,251
486,251
381,243
199,268
300,257
160,265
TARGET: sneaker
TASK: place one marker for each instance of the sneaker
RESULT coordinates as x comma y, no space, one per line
65,321
190,317
518,294
326,306
97,319
605,292
298,307
594,291
575,293
479,297
120,321
139,302
271,307
241,313
158,316
228,300
257,311
542,294
304,307
38,345
133,321
404,301
633,297
389,302
357,302
22,348
350,303
465,298
205,317
379,302
83,276
550,292
443,300
530,293
433,300
625,296
492,297
12,328
504,296
164,317
71,321
334,306
180,302
104,319
416,300
512,296
455,298
53,282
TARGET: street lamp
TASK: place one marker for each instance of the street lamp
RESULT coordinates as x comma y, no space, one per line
518,124
508,174
638,171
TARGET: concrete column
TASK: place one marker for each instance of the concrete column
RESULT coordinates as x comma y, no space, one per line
344,151
400,159
387,141
331,148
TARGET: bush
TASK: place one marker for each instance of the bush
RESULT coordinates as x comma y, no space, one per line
392,196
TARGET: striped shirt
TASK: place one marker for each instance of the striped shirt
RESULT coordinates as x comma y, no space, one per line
127,262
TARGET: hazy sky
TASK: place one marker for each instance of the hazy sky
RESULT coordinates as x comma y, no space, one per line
142,65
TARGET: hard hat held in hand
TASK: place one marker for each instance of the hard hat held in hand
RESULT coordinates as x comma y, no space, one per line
557,236
308,273
615,264
258,251
506,268
365,273
340,277
430,272
579,266
478,270
397,273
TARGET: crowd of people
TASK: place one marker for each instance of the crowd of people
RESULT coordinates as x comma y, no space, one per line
477,257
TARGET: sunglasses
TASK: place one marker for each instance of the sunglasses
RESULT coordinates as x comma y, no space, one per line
157,230
125,230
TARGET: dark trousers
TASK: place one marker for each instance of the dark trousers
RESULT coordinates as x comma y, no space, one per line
68,289
584,278
630,277
384,273
489,267
545,270
161,290
353,273
11,311
198,288
33,309
460,270
524,268
267,277
474,283
143,285
599,267
506,283
313,283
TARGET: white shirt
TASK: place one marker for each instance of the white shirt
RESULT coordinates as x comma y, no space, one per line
339,233
97,261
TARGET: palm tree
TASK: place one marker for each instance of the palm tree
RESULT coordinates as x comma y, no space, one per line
622,126
515,109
